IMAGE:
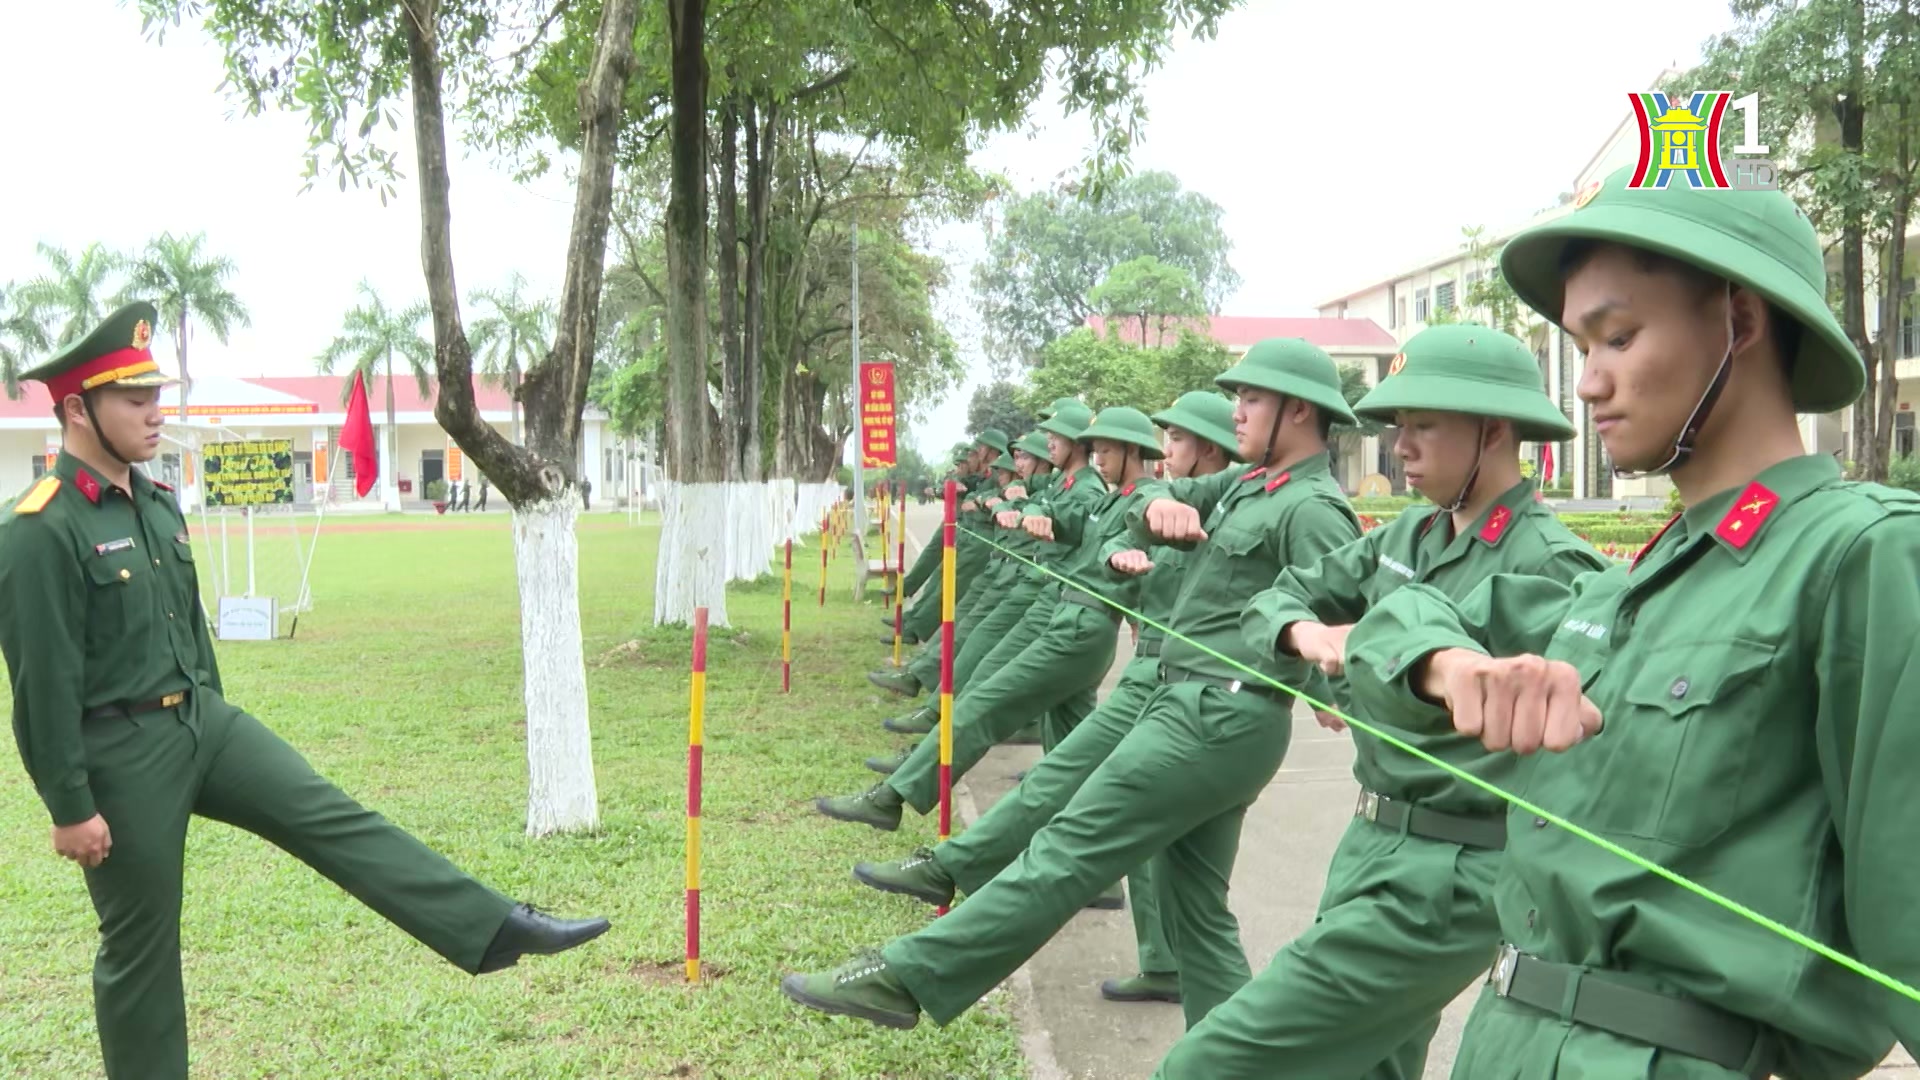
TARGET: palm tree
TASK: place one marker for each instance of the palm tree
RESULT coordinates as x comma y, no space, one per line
174,275
21,337
370,334
517,329
74,293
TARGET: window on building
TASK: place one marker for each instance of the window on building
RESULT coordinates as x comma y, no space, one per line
613,466
1400,311
1903,433
1395,307
39,466
1443,296
1420,309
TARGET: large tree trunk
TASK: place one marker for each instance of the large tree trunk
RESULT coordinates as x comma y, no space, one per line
1890,338
693,564
535,478
760,162
738,414
1851,112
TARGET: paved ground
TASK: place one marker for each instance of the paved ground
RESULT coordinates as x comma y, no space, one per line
1289,839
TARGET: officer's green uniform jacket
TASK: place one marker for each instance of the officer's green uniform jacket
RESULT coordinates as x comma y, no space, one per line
1515,535
1256,525
92,580
1756,674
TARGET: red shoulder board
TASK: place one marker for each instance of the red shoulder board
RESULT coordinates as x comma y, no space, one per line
1278,480
168,488
1128,490
88,486
1749,512
1642,553
1496,525
1068,486
1253,474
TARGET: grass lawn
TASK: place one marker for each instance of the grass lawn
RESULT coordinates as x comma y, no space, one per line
403,686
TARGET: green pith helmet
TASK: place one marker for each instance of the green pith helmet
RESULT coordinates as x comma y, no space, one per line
1123,425
1068,420
1292,366
1035,443
1005,462
992,437
1477,370
114,353
1757,239
1205,414
1057,405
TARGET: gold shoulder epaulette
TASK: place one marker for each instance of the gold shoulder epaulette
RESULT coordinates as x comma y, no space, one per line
37,497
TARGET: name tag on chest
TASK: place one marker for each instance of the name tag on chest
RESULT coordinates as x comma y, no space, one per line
125,543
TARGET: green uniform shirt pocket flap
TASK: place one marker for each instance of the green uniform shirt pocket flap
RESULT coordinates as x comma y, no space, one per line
115,568
1236,541
1682,678
183,547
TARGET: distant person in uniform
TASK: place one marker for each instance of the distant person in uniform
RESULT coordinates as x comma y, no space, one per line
466,496
126,732
484,485
586,494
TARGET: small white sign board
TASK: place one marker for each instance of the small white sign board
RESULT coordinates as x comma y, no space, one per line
247,618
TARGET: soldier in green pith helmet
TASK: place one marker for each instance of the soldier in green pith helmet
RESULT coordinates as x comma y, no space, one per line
126,732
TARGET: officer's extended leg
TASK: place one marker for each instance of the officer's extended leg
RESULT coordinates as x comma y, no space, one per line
142,777
255,781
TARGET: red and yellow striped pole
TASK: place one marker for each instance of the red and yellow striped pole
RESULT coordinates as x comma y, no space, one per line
899,577
696,722
946,666
786,624
826,538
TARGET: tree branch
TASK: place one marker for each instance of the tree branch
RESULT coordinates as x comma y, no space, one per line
823,85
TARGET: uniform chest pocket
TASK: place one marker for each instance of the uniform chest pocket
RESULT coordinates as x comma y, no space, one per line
1243,560
1692,715
119,594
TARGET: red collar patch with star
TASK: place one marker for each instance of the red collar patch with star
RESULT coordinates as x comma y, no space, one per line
1749,513
1496,525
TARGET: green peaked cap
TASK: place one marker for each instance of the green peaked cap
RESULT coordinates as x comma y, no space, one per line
1205,414
1004,462
1477,370
116,352
992,437
1292,366
1118,423
1034,443
1756,239
1068,420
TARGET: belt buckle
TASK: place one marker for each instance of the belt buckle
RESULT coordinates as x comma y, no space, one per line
171,700
1369,806
1505,960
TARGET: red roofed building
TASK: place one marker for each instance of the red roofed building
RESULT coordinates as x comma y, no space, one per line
308,410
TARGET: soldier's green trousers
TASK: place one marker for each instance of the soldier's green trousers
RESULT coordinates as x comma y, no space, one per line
969,558
149,775
1179,783
1057,676
1405,924
997,621
992,843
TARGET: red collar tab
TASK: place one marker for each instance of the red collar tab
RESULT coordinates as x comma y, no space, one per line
163,487
1278,480
1642,553
1750,511
1253,474
1496,525
1068,485
1128,490
88,486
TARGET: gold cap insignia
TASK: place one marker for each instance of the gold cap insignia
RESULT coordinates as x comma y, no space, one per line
1399,361
1586,194
142,334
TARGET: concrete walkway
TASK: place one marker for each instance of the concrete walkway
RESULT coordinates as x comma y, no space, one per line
1289,838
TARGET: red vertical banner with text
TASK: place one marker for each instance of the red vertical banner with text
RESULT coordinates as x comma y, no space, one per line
876,417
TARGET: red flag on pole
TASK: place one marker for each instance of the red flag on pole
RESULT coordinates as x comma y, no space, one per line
1546,464
356,438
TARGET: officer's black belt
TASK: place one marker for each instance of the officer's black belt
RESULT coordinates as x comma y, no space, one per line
1172,675
1477,831
1603,1000
124,710
1148,646
1088,600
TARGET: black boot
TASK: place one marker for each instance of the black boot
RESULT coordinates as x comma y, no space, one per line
529,930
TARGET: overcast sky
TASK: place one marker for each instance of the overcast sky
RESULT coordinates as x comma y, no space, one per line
1343,142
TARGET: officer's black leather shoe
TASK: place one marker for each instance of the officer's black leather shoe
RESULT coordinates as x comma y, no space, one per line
530,930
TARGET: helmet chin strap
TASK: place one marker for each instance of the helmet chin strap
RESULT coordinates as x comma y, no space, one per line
1273,433
1683,444
1473,475
99,433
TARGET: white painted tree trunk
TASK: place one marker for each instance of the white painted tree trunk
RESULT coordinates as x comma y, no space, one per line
561,795
692,569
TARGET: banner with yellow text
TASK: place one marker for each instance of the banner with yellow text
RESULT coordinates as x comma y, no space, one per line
876,416
257,472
